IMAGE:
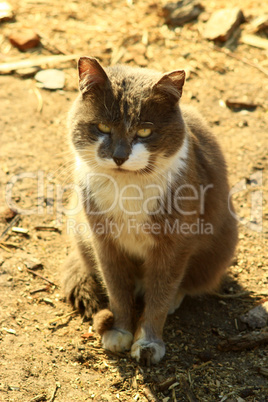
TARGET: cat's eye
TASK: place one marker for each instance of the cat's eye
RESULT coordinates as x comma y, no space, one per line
104,128
144,132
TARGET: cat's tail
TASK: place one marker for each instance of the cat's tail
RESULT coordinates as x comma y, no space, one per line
103,321
82,287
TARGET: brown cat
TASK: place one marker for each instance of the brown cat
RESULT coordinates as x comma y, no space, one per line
155,217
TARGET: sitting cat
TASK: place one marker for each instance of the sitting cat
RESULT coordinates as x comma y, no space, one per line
155,219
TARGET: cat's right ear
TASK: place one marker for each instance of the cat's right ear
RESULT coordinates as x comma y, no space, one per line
91,74
170,85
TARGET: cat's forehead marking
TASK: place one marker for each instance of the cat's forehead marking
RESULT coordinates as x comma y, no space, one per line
128,100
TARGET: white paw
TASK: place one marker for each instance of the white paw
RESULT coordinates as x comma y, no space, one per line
117,340
148,352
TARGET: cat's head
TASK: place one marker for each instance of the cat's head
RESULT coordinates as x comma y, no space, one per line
127,119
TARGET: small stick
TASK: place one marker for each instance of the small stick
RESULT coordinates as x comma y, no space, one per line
39,398
231,296
9,226
8,244
20,230
5,248
62,316
40,290
39,99
242,342
263,371
164,385
48,228
242,59
54,394
149,395
42,277
5,68
186,388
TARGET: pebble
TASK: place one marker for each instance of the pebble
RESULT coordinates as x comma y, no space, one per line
7,214
27,72
256,317
25,39
6,12
50,79
222,24
180,13
33,263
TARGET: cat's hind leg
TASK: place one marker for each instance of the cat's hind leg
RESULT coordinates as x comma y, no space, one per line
82,287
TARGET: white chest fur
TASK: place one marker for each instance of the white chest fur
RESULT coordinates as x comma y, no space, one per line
128,207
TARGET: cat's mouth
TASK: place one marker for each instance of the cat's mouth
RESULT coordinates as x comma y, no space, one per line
149,168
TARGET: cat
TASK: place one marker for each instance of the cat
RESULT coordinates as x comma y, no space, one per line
156,220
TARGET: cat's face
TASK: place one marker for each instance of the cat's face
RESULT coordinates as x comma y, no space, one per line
127,120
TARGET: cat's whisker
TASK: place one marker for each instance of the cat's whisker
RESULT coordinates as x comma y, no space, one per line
61,169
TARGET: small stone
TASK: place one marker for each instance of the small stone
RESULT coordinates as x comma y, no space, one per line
243,123
256,317
51,79
6,12
33,263
27,72
205,356
244,393
183,11
24,40
222,24
246,104
7,214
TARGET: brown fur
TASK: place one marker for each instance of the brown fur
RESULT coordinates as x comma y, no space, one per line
175,263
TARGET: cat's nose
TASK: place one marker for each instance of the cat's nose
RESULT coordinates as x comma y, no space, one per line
121,153
119,161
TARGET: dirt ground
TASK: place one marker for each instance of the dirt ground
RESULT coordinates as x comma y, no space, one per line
44,357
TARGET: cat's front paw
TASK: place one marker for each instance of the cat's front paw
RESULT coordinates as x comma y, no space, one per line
148,352
117,340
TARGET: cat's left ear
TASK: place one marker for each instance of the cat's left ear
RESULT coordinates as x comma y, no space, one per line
170,85
91,74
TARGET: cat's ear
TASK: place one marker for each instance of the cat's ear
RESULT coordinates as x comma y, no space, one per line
170,85
91,74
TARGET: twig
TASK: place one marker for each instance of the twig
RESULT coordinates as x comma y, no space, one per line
9,226
6,68
8,244
20,230
263,371
39,99
39,398
54,394
48,228
231,296
40,290
242,59
5,248
62,316
42,277
186,388
242,342
149,395
164,385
